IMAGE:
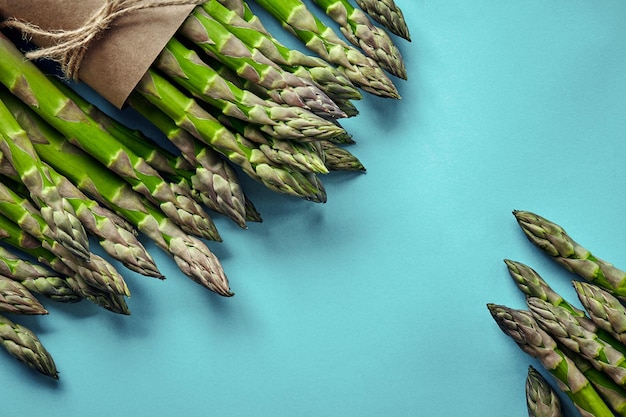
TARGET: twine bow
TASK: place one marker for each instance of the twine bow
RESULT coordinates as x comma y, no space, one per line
70,46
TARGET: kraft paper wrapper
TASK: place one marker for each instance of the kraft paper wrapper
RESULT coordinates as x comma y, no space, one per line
114,63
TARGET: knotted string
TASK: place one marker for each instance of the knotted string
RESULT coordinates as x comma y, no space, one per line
70,46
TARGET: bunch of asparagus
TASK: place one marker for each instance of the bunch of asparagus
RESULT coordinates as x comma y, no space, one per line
584,349
229,97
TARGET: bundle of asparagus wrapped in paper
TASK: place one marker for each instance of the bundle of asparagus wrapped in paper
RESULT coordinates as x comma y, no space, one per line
229,97
591,340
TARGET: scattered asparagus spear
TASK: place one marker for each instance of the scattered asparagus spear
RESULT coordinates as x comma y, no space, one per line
523,329
541,399
603,308
533,285
566,329
388,14
25,346
356,26
35,277
554,241
614,394
16,299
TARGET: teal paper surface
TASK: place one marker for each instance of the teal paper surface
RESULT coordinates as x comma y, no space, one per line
374,304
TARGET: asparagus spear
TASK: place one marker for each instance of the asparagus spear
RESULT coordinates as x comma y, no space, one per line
59,214
35,277
35,89
361,70
604,309
25,346
186,68
301,156
14,236
98,272
554,241
218,42
116,236
16,299
566,329
533,285
337,158
340,135
244,25
524,330
191,255
186,113
356,26
388,14
614,394
541,399
220,181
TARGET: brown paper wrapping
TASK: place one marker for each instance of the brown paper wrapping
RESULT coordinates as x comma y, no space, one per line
114,63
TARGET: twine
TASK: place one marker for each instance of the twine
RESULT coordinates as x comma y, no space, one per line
70,46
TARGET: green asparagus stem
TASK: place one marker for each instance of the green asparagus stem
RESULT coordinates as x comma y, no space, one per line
606,311
327,77
16,299
524,330
186,113
285,88
25,346
35,277
361,70
541,399
36,90
15,145
388,14
220,181
356,26
566,329
337,158
533,285
614,395
554,241
186,68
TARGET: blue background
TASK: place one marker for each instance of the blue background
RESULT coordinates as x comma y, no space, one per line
373,304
